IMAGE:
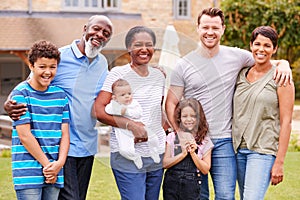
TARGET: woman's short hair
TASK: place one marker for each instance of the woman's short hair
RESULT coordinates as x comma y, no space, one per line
266,31
138,29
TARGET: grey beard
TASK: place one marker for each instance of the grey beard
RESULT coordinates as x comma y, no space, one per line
90,50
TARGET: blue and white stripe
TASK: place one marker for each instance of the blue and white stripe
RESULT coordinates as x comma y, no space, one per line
46,113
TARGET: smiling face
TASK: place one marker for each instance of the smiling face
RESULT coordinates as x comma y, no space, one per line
96,34
43,72
141,48
188,118
210,30
262,49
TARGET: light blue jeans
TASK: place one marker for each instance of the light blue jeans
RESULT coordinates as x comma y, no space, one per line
223,171
44,193
254,173
137,184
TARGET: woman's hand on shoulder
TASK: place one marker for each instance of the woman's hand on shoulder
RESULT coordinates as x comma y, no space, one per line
160,68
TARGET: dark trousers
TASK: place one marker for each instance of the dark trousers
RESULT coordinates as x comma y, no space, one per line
77,173
181,186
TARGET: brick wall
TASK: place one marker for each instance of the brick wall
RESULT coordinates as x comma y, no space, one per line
158,14
13,5
37,5
155,13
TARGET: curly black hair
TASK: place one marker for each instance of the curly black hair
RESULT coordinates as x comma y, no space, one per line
43,49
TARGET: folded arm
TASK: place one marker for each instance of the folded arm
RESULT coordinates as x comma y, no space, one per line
169,160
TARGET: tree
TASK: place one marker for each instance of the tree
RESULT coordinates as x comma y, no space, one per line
242,17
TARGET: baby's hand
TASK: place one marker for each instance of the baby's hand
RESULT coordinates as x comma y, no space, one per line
123,110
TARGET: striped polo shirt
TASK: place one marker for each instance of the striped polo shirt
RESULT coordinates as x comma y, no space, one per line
47,110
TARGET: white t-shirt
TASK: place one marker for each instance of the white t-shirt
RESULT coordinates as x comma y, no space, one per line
212,81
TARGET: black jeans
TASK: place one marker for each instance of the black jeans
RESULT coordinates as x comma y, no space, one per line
181,186
77,173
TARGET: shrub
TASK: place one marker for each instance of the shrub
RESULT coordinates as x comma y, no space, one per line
294,145
5,153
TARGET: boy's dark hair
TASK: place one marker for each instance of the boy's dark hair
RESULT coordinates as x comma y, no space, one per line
266,31
212,12
43,49
202,125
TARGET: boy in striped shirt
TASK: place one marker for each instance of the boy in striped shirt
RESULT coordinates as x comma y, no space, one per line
40,137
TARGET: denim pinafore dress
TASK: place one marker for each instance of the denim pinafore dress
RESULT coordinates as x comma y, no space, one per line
183,180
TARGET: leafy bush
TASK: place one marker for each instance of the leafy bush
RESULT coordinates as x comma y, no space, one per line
5,153
294,145
242,17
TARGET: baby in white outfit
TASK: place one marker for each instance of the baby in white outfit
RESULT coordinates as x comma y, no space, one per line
123,104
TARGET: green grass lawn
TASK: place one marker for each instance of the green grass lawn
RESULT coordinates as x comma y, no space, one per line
103,186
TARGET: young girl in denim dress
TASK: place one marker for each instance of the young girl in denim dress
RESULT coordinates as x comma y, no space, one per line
188,152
